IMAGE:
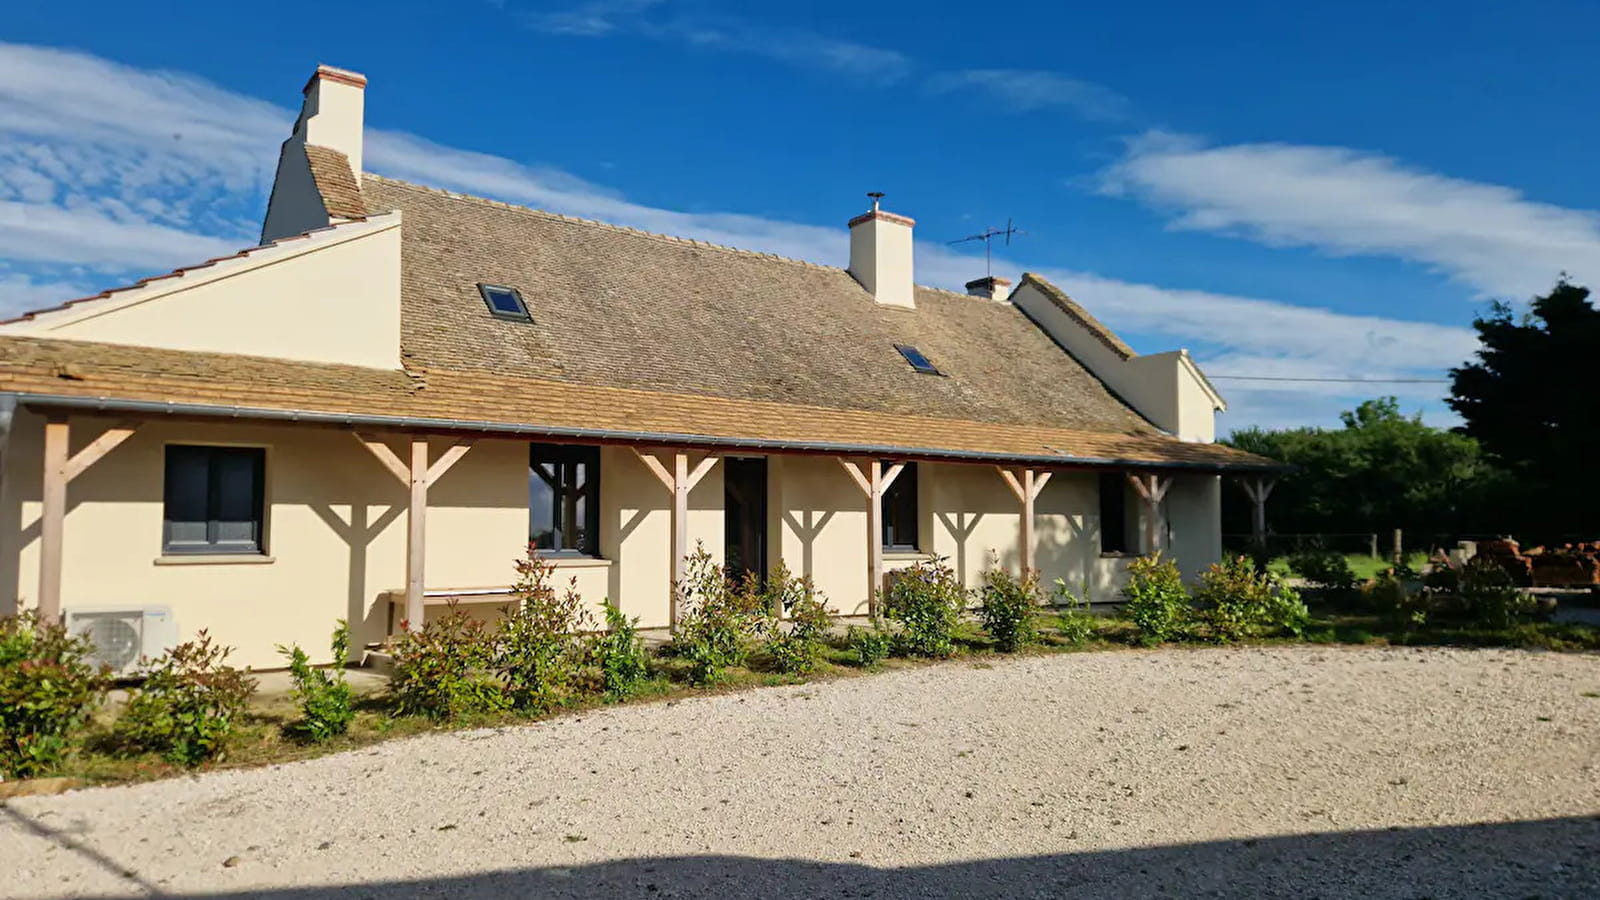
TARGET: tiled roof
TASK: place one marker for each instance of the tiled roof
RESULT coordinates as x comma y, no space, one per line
475,399
1080,315
617,307
341,194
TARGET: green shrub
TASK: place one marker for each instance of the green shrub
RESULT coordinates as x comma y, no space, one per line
1323,569
715,618
1155,599
1489,598
620,655
442,670
871,646
1007,607
48,690
325,698
186,708
1237,602
927,601
540,648
795,649
1400,607
1076,625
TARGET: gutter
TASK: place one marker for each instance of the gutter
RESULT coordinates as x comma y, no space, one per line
8,409
599,435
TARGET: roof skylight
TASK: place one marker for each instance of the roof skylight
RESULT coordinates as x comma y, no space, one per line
917,360
504,302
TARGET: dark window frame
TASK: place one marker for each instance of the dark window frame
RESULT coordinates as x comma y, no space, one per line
521,315
213,545
918,360
902,512
1114,538
566,458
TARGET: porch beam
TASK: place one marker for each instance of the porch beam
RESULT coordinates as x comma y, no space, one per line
874,481
416,533
418,476
1258,489
387,457
1026,484
450,457
680,480
1152,489
60,467
97,448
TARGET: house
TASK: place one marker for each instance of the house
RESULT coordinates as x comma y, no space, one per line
372,412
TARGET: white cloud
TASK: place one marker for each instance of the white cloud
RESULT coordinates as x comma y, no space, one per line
20,292
1027,90
78,208
1344,201
51,234
654,19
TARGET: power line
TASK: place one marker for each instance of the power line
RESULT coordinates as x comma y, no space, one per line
1331,380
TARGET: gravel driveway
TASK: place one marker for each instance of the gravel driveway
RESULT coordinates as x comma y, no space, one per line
1296,771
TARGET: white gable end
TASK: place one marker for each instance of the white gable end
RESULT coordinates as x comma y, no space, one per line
332,296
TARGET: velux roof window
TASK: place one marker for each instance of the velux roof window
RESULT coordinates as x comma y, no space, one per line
504,302
917,360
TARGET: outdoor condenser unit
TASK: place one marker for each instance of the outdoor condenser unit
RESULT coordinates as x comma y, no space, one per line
124,637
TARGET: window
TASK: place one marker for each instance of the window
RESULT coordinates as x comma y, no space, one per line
900,511
504,302
564,499
213,500
916,359
1113,513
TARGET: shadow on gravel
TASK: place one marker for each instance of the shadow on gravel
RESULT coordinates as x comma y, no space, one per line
1546,858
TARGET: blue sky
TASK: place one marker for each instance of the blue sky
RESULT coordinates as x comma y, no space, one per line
1287,191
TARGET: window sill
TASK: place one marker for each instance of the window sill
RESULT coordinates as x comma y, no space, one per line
215,559
1119,554
576,562
906,555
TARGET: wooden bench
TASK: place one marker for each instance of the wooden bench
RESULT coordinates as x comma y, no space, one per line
499,596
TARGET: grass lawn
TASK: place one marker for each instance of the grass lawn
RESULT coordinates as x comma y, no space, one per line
1362,564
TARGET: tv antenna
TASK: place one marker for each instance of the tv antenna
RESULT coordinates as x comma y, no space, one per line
987,236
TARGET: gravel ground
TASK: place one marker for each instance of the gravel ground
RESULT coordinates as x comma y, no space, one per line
1264,772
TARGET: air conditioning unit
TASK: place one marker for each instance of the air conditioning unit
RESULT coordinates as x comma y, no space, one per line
124,637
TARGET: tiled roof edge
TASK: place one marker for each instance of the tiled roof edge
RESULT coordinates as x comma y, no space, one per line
1082,316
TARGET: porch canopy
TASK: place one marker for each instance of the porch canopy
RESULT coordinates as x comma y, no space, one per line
680,433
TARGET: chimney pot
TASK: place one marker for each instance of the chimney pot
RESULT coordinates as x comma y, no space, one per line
990,287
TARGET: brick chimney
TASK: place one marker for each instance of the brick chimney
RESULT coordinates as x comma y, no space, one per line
880,255
316,187
990,287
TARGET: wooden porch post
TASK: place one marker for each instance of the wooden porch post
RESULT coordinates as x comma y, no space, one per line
60,467
680,480
1258,489
1026,484
873,481
418,477
1152,489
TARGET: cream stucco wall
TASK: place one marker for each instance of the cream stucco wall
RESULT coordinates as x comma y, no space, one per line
331,297
1165,388
336,526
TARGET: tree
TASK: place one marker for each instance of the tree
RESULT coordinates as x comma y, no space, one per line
1381,470
1532,402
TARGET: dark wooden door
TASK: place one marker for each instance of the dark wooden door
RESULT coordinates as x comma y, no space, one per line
745,516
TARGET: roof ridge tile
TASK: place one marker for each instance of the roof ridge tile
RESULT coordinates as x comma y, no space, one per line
610,226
